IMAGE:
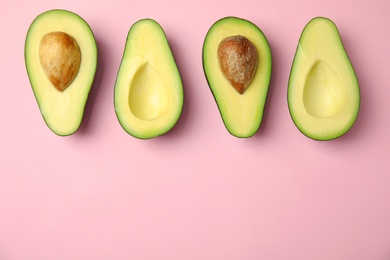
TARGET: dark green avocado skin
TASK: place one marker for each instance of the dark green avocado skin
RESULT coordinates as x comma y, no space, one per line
208,81
324,138
180,108
30,70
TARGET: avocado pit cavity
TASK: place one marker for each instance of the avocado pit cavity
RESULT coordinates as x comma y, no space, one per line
60,58
238,60
324,93
148,95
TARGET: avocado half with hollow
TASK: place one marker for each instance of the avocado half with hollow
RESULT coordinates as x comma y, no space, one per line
148,95
61,59
323,90
237,63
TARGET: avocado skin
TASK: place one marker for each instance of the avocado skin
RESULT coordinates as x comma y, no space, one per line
324,138
179,108
30,70
249,23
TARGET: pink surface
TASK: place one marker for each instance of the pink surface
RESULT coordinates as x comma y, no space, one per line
197,192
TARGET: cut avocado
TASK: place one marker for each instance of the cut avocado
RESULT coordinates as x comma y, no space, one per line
61,58
237,63
323,91
148,95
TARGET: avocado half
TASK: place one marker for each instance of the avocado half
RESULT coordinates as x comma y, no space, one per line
323,90
64,39
148,93
241,112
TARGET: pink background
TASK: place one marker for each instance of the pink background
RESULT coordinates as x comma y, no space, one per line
197,192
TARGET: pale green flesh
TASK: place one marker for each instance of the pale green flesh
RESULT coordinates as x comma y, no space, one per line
323,91
241,114
148,94
148,97
62,111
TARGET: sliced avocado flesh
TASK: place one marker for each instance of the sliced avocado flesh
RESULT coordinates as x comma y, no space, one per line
323,90
241,113
148,95
61,104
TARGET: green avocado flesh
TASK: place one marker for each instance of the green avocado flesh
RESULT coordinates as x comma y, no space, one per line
148,95
64,39
241,113
323,91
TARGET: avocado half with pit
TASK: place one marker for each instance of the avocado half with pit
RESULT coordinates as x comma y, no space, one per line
323,90
148,93
237,63
61,58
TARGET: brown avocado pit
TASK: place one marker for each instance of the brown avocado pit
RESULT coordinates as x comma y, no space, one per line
238,60
60,58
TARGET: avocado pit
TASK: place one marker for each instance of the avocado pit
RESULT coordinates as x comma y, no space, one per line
238,60
60,58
